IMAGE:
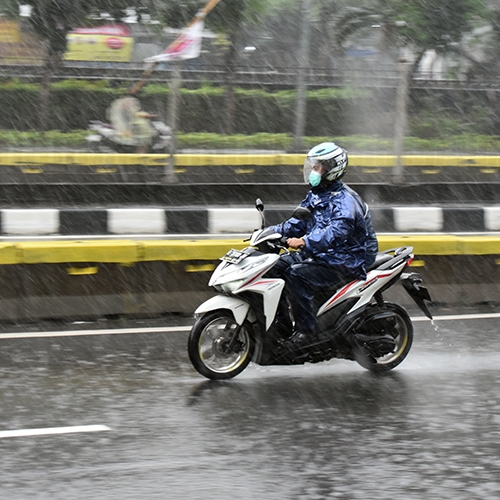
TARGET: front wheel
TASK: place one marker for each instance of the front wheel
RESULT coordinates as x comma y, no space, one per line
402,332
218,347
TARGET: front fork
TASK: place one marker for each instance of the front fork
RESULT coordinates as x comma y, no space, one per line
233,345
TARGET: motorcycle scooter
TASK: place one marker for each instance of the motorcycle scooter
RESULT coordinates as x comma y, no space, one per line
354,321
104,134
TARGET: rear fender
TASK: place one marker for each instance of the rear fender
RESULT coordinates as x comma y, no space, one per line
237,306
412,284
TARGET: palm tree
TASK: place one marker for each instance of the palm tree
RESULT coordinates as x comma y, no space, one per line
419,26
414,27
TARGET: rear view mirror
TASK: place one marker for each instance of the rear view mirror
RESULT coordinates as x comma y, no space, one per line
260,207
301,213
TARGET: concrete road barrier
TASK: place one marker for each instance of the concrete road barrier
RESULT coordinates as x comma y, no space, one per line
223,220
102,278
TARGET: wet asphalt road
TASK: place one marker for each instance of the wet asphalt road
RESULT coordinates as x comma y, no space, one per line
428,430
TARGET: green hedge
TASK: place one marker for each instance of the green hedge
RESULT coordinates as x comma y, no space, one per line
74,103
330,112
465,143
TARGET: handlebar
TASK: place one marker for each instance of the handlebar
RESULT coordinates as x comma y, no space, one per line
283,242
280,243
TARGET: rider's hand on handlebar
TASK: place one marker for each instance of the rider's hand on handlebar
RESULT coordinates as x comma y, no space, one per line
295,243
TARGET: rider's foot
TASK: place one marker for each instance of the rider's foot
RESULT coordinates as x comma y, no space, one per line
300,339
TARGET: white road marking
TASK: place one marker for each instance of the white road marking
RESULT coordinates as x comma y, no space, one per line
83,333
458,317
173,329
54,430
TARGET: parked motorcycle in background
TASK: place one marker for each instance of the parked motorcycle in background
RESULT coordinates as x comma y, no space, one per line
354,321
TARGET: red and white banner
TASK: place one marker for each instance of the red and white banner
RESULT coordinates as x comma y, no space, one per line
186,46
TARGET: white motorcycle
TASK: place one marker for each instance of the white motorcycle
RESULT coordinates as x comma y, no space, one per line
104,134
354,321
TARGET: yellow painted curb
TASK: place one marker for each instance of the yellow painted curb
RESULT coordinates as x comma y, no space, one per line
53,252
443,244
203,160
130,251
423,244
180,250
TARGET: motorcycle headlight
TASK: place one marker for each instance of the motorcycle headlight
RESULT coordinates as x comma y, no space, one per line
231,286
234,284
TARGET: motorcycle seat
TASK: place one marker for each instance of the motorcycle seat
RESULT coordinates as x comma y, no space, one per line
380,259
325,293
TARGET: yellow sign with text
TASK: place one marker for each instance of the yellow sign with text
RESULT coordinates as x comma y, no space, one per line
9,31
111,43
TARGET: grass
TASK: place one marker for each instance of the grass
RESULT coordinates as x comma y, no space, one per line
455,144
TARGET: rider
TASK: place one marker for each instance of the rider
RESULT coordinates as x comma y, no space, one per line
131,123
336,241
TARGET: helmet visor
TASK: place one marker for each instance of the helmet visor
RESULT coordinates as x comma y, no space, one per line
311,164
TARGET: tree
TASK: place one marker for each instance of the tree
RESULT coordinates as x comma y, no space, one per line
228,17
410,27
9,8
421,25
52,20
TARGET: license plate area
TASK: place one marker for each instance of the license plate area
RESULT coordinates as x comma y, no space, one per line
234,256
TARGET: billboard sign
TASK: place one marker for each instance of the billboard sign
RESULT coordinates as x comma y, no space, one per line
108,43
9,31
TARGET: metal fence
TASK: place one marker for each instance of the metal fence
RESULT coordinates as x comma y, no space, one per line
370,76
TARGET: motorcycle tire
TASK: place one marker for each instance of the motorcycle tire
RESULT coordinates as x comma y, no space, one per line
403,338
218,347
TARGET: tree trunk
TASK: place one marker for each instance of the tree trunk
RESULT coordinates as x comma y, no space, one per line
400,122
51,64
174,96
325,56
229,79
173,118
303,62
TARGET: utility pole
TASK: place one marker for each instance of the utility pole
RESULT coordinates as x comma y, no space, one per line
401,119
172,114
303,60
405,62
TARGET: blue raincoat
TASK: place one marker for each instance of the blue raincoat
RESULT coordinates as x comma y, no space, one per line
339,232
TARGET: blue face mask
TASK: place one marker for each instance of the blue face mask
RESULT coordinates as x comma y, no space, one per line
314,178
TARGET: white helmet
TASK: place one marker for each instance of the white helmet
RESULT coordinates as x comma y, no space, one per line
333,157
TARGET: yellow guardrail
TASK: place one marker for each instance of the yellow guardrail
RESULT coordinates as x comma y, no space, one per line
203,160
130,251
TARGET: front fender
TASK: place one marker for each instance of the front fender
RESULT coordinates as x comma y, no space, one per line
238,307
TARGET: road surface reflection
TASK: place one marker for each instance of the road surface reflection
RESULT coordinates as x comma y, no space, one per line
430,429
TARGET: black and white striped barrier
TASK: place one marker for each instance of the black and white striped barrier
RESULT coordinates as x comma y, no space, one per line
192,220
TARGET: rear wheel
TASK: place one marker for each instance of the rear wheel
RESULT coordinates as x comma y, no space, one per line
402,332
218,347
